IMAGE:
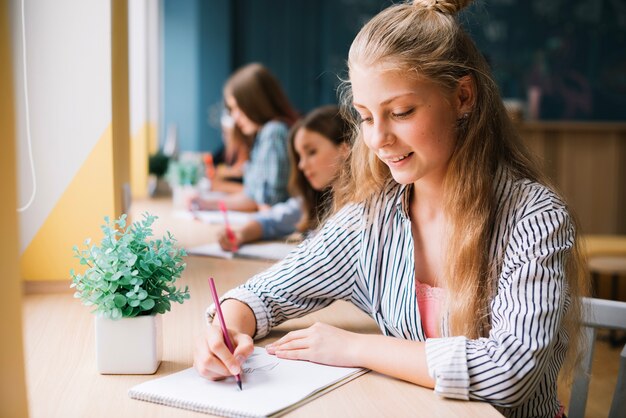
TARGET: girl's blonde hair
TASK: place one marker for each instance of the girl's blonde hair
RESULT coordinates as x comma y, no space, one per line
426,40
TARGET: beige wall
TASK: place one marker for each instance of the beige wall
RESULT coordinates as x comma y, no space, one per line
75,83
12,381
144,63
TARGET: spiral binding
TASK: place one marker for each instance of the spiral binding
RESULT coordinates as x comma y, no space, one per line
190,405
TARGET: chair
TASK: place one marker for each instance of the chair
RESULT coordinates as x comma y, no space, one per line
613,266
608,314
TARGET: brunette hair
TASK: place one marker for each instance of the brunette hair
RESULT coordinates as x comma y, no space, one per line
328,122
425,40
259,95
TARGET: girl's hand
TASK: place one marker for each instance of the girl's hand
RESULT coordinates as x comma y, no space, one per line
320,343
192,201
226,243
212,358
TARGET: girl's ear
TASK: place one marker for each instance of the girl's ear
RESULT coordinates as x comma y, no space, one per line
465,95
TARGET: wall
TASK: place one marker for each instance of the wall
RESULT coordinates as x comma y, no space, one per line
76,80
144,74
573,53
13,401
587,163
304,43
197,53
180,72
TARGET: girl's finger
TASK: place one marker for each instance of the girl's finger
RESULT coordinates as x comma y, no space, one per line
244,346
218,348
299,354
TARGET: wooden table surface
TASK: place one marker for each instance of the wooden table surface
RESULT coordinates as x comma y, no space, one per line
603,245
61,364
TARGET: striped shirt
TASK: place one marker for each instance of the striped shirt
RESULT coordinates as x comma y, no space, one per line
371,264
267,172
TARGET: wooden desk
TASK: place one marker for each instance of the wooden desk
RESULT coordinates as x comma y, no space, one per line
597,245
61,366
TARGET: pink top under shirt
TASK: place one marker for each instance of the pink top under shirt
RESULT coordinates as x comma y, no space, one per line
429,301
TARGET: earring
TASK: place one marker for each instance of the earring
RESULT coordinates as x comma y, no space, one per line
463,117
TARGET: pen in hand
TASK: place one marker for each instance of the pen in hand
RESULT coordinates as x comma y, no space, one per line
194,208
220,316
229,232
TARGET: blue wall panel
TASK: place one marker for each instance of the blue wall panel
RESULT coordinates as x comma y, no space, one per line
180,72
215,67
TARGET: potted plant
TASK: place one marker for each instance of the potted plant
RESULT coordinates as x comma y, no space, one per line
184,176
157,168
129,279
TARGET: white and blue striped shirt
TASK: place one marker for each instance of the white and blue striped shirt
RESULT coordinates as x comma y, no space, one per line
266,173
371,264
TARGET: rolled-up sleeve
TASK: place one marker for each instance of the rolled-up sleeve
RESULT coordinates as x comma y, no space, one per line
526,314
319,271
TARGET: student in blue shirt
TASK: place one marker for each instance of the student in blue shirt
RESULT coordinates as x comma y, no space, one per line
441,194
261,110
318,147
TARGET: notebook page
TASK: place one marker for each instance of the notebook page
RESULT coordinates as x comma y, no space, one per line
269,385
215,216
211,250
272,251
265,250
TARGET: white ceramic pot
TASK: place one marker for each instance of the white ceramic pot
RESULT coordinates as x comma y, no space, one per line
181,195
129,345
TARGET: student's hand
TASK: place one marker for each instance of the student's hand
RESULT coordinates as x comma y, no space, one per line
320,343
226,243
194,202
212,358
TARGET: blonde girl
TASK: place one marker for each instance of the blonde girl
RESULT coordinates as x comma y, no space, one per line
445,232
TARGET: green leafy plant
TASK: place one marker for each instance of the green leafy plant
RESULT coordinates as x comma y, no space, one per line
158,163
127,274
182,173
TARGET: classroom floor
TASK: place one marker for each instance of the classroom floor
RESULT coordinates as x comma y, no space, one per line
603,378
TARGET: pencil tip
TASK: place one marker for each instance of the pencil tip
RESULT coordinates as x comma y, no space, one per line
239,384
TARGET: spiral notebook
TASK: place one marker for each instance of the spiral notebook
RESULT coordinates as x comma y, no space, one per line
271,387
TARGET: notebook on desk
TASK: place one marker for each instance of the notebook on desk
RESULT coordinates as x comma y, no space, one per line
271,387
214,216
271,251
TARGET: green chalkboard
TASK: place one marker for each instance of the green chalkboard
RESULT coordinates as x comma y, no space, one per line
573,52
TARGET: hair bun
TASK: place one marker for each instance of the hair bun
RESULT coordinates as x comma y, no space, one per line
443,6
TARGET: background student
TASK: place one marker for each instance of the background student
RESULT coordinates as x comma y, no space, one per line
230,162
440,192
261,110
318,147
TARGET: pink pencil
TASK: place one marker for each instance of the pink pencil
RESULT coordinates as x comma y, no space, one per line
218,310
229,232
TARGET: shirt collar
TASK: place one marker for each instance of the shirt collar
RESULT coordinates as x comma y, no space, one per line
403,199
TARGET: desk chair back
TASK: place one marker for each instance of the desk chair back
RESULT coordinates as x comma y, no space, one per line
607,314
